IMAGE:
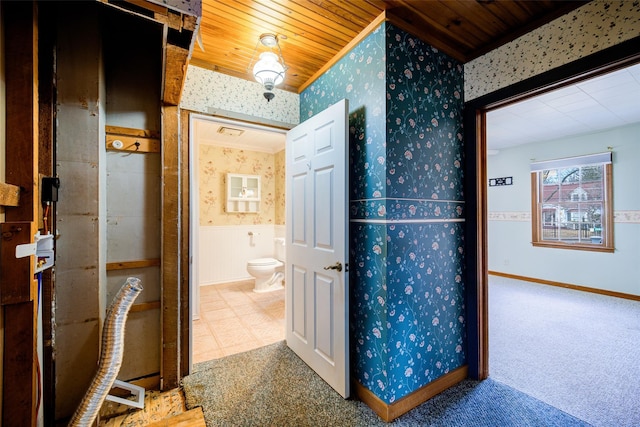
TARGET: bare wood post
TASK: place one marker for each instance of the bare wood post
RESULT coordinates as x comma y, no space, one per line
185,243
18,287
170,151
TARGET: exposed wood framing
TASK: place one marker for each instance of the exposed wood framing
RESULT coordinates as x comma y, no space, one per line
46,131
16,274
124,265
134,144
171,253
136,140
145,306
175,72
144,133
22,119
185,241
17,286
19,376
9,194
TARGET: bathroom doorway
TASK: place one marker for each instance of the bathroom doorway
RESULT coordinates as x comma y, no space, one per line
228,317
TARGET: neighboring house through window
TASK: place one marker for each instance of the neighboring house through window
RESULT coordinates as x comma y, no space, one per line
572,203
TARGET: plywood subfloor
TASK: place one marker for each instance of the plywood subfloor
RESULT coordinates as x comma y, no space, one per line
160,409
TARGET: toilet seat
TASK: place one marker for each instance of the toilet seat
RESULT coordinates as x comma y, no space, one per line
263,262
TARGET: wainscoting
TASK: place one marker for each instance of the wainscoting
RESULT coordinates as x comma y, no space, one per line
225,250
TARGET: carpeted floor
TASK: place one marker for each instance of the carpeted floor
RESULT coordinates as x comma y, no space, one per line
271,386
577,351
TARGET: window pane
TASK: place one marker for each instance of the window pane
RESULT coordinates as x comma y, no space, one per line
572,202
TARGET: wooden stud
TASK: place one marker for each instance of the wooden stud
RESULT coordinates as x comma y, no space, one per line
18,287
16,274
9,194
132,143
19,358
144,306
137,140
170,251
125,265
143,133
185,242
175,73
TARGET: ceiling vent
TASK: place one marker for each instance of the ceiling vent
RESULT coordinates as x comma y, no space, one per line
230,131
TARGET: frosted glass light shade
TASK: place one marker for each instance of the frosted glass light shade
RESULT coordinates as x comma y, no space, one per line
268,71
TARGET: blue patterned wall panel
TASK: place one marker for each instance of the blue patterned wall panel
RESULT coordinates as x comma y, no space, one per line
406,208
368,305
425,304
360,78
424,120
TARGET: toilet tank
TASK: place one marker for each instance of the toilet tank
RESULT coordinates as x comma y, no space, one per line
280,249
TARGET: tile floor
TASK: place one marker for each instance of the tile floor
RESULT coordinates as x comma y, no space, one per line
234,319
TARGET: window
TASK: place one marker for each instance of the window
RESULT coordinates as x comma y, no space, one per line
572,203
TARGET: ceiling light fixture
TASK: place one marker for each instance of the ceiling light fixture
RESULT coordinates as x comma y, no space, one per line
270,69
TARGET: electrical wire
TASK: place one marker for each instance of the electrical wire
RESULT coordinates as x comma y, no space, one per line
45,217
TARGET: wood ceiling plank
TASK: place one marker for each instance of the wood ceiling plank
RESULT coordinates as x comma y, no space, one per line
441,28
452,21
485,21
305,20
238,54
370,9
343,12
317,30
315,36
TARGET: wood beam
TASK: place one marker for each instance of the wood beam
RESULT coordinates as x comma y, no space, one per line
16,274
17,285
9,194
46,167
185,243
19,374
170,255
175,72
21,73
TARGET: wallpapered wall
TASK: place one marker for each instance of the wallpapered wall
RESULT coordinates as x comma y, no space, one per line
407,311
209,92
216,162
595,26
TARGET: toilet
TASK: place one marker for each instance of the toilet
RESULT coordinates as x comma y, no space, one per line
269,272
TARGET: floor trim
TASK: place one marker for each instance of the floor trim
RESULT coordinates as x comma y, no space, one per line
389,412
568,286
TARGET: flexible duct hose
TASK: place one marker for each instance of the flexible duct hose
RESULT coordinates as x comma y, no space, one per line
110,354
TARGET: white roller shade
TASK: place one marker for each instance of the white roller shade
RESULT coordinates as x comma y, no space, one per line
589,159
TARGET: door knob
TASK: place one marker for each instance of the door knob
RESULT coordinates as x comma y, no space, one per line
336,266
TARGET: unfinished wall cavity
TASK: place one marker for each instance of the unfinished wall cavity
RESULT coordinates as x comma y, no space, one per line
108,213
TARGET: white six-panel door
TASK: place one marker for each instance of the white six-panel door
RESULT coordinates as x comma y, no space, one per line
317,297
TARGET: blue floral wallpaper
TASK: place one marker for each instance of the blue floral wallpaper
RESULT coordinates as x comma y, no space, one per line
406,208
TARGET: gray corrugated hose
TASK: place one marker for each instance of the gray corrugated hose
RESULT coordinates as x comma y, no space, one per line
110,354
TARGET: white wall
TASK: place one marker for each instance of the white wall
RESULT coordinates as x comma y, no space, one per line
225,250
509,207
